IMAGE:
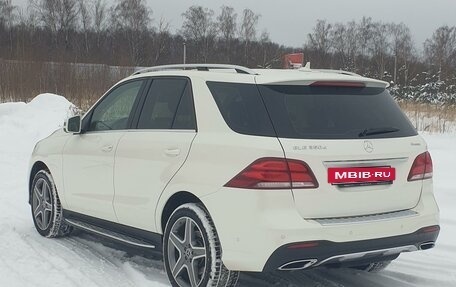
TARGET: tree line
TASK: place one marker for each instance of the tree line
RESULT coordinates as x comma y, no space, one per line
387,51
126,33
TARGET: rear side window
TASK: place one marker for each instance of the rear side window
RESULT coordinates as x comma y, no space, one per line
168,105
334,112
242,108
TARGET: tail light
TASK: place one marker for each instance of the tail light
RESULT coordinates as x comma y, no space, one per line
275,173
421,168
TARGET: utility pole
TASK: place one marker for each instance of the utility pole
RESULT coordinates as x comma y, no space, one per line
185,53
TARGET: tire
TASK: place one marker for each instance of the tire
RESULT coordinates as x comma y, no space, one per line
191,243
374,267
46,209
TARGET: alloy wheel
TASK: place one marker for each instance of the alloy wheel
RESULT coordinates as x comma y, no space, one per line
187,254
42,204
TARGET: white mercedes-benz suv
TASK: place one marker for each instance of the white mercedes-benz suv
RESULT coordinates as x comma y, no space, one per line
227,169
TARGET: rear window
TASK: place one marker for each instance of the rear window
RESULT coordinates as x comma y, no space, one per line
334,112
306,112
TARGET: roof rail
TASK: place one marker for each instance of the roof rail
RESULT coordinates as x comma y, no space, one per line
199,67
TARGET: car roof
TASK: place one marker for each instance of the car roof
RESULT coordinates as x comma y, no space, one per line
238,74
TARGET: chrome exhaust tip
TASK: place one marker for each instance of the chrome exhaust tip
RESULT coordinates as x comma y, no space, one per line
298,265
427,245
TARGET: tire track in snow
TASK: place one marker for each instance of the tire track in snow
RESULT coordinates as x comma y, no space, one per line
137,265
45,252
103,259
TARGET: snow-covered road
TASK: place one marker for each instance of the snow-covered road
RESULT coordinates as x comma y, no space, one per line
27,259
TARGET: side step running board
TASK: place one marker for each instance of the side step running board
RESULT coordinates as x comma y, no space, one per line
108,233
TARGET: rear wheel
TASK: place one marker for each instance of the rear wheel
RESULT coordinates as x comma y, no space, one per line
46,208
192,251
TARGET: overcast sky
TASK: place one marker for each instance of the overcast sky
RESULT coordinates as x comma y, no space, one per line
289,21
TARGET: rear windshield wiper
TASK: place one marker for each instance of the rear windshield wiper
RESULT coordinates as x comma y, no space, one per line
377,131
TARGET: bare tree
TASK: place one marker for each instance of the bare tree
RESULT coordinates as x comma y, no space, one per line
248,30
227,25
86,22
364,38
271,52
339,42
319,38
7,15
99,18
351,35
60,16
402,48
379,46
365,31
319,41
440,50
199,28
161,40
7,18
132,18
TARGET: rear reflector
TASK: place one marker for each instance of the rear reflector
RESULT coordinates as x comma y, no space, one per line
429,229
421,167
338,84
275,173
303,245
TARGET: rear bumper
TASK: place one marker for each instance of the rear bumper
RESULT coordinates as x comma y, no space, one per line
254,226
303,255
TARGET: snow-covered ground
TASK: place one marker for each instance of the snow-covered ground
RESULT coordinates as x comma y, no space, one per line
27,259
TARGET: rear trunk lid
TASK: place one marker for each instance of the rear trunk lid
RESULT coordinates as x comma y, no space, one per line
330,200
345,127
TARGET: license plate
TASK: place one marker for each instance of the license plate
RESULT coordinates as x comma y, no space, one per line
348,175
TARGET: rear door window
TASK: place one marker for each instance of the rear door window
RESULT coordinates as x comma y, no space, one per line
168,105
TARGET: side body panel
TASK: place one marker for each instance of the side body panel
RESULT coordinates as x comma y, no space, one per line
145,162
217,153
88,173
49,151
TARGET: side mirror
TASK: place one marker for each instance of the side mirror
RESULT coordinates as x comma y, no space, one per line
73,125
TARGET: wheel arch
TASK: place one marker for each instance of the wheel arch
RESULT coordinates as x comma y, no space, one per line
37,166
176,200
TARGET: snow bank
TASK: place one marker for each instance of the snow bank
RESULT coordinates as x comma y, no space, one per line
30,260
24,124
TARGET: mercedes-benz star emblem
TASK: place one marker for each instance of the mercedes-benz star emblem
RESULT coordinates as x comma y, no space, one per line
368,146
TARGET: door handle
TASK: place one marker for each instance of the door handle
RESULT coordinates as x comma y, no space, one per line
172,152
107,148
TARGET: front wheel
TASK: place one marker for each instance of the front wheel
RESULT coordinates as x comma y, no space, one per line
46,208
192,252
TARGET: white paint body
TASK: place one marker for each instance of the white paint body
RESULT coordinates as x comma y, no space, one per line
128,176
